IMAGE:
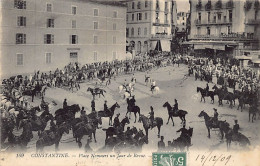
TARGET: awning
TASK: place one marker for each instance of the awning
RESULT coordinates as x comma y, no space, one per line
243,57
199,47
219,47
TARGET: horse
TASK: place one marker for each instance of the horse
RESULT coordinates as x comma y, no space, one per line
181,113
240,138
252,110
205,94
147,124
96,91
135,109
25,137
209,124
109,113
155,89
115,130
244,99
40,123
183,141
49,138
222,95
121,87
67,114
81,129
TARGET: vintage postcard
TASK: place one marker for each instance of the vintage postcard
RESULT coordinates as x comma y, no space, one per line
130,82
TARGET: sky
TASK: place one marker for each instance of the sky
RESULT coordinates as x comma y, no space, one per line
183,5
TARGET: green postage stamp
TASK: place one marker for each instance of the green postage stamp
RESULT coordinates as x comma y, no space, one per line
169,159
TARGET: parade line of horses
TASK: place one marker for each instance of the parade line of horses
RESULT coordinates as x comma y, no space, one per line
64,121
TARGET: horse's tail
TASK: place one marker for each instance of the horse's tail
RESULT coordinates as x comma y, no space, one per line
184,112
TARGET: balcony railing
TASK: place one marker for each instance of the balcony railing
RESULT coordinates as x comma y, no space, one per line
232,36
253,21
161,36
230,4
205,22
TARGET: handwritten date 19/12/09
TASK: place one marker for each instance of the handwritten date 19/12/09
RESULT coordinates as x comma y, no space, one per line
212,159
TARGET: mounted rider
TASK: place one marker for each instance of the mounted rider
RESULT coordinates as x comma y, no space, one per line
93,106
65,104
185,134
176,106
116,121
235,130
151,117
106,110
215,118
153,85
207,89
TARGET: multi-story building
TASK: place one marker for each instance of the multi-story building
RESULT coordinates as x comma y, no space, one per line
181,21
148,22
48,34
228,27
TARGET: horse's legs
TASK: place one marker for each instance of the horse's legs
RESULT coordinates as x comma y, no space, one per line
168,120
208,132
135,117
172,120
159,131
94,134
204,99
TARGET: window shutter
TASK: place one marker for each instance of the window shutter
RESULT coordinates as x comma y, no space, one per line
70,39
24,4
24,39
52,39
45,39
18,21
24,21
15,3
76,39
17,38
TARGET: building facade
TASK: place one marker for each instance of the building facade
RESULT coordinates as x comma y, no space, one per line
49,34
230,27
181,21
150,21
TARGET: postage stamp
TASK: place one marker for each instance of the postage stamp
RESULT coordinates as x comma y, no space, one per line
169,159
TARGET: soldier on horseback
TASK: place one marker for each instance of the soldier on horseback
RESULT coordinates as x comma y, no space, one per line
207,89
185,134
153,85
93,105
235,130
176,106
65,104
151,117
215,118
106,108
116,121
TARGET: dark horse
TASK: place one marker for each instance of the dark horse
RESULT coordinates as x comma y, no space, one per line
109,113
222,95
81,129
49,138
116,130
183,141
204,94
172,113
252,110
132,108
40,123
67,114
7,126
96,91
147,124
209,124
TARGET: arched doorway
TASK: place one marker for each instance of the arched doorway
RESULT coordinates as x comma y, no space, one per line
145,46
139,46
132,45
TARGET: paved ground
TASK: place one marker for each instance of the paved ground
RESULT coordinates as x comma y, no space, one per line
171,87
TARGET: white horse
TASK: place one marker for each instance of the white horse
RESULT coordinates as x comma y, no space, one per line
156,89
121,87
126,95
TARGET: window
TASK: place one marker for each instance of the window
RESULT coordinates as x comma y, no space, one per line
21,21
219,16
157,4
73,24
208,16
229,29
256,13
19,60
114,26
49,7
199,16
146,4
95,12
139,5
133,5
166,6
95,56
126,17
115,14
50,23
95,25
146,16
114,55
165,18
73,39
208,30
157,16
127,32
74,10
133,17
139,16
48,58
139,31
132,32
183,23
230,15
20,38
48,39
20,4
198,30
145,31
95,39
114,40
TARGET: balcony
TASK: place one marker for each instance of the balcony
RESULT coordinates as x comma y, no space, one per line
257,5
232,36
208,6
230,4
212,22
253,21
161,36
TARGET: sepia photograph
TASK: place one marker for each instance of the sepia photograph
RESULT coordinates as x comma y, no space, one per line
130,82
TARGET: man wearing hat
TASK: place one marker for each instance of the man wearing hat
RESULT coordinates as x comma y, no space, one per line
215,118
93,105
105,107
65,104
235,129
161,144
176,106
116,121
